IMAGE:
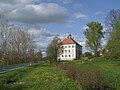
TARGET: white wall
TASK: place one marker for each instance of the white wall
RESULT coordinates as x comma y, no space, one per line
69,52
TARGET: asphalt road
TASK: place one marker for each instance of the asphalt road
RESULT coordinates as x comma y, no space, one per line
13,67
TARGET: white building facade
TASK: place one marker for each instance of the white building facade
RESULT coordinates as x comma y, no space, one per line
71,50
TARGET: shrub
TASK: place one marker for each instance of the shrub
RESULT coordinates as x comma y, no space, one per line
87,79
91,80
87,55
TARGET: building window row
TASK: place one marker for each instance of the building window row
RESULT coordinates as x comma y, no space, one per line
66,56
67,51
68,46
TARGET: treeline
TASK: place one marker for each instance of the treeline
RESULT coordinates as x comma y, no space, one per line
95,32
16,44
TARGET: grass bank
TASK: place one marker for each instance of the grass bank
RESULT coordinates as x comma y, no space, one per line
110,70
37,77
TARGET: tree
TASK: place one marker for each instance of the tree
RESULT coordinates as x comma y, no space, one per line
94,34
111,19
16,44
87,55
39,55
113,44
54,50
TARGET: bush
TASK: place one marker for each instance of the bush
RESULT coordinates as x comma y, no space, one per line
87,55
91,80
87,79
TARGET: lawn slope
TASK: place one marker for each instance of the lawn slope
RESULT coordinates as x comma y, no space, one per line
38,77
109,69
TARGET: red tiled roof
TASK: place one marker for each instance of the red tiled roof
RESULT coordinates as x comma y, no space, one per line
69,40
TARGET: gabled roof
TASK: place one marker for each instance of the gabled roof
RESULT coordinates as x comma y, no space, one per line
69,40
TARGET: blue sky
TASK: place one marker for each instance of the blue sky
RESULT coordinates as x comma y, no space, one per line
48,18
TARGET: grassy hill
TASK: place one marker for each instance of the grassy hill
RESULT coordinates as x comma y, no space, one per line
50,77
109,69
38,77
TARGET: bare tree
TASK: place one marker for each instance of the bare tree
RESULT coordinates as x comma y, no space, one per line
111,19
16,44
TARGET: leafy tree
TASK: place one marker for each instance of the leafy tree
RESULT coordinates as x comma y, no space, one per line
39,56
94,34
113,44
54,50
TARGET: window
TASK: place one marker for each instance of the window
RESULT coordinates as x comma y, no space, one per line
72,46
62,51
65,50
65,55
69,46
62,56
69,50
69,55
65,46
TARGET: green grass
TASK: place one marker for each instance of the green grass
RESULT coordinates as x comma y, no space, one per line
110,69
38,77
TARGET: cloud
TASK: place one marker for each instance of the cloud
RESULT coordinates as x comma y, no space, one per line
42,13
15,1
42,37
80,16
41,34
85,27
82,43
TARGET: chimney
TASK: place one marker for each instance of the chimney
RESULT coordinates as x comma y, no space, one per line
69,36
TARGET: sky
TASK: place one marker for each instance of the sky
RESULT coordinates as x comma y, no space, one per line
46,19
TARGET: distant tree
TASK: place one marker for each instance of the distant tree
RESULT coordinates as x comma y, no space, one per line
94,34
16,44
104,53
112,17
39,55
113,44
87,55
54,50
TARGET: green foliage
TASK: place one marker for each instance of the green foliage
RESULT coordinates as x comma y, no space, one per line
39,77
94,34
87,79
110,71
39,56
87,55
113,44
53,50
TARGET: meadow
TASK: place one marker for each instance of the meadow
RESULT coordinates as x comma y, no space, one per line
37,77
49,77
110,70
